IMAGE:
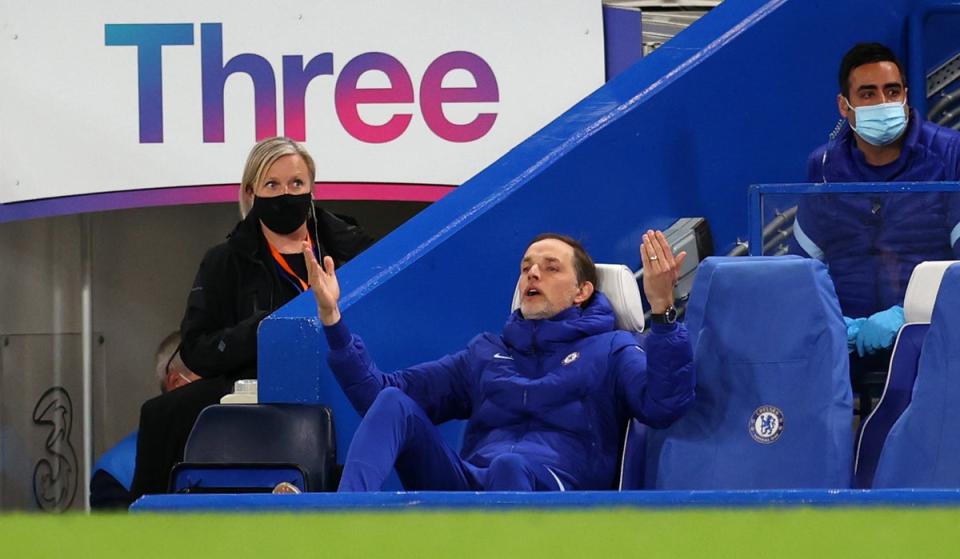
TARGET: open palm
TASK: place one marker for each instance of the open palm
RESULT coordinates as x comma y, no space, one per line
325,287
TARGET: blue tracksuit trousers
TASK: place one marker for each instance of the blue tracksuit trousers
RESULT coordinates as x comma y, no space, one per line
395,432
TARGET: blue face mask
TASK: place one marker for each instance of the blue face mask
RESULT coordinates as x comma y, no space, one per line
881,124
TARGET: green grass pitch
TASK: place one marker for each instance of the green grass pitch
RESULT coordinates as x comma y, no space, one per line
767,533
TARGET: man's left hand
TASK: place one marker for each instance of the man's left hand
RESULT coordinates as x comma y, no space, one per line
661,270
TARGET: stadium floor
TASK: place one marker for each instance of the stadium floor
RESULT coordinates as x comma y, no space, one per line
715,532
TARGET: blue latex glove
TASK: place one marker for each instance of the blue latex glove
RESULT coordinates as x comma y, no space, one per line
853,328
879,330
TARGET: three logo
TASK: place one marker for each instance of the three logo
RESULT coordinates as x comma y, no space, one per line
55,479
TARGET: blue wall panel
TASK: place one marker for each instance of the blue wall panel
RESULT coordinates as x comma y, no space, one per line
741,97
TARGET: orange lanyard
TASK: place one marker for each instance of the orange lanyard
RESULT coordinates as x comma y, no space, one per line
286,267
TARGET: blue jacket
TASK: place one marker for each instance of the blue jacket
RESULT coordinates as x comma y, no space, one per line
119,461
872,242
557,391
112,476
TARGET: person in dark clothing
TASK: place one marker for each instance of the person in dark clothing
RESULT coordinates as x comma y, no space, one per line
256,271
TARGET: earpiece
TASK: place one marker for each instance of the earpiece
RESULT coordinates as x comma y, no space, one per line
316,231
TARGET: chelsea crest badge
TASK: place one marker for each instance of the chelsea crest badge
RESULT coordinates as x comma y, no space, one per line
571,358
766,424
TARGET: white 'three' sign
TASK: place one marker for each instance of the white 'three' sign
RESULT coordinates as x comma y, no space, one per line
114,95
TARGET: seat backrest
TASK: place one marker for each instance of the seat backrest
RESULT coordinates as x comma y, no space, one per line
695,306
774,404
917,308
267,434
922,449
921,294
619,285
633,459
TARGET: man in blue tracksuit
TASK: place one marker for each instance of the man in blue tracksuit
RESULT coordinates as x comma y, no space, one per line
546,401
872,242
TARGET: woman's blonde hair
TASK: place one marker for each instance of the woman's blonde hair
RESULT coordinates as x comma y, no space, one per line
264,154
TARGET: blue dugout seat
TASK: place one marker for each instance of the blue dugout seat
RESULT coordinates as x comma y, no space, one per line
904,362
922,449
774,403
633,459
253,447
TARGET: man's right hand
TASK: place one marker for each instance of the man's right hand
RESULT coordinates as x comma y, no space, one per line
325,287
853,329
879,331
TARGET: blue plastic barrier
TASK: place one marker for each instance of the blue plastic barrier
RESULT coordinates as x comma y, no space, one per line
432,500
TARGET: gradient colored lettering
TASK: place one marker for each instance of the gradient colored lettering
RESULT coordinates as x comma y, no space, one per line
150,38
214,76
348,96
433,95
296,78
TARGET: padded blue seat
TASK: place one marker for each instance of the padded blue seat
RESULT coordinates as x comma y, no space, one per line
252,447
774,404
922,449
633,459
904,361
695,306
896,397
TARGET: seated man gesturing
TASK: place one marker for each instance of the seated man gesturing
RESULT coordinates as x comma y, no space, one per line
546,401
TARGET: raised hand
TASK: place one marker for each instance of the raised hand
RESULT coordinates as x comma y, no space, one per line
661,270
325,287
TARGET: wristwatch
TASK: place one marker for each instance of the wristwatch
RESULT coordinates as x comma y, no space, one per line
669,316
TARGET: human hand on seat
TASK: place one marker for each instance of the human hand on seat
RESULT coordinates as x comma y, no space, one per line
325,287
661,270
879,331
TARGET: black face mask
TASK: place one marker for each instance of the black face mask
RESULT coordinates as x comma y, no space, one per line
282,214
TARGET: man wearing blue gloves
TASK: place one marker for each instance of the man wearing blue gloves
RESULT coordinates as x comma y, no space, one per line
546,401
872,242
870,335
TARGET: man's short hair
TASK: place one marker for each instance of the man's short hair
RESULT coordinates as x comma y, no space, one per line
865,53
582,263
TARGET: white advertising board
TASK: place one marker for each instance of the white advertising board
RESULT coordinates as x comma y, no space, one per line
107,96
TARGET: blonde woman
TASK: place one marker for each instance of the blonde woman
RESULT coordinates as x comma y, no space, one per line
258,269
